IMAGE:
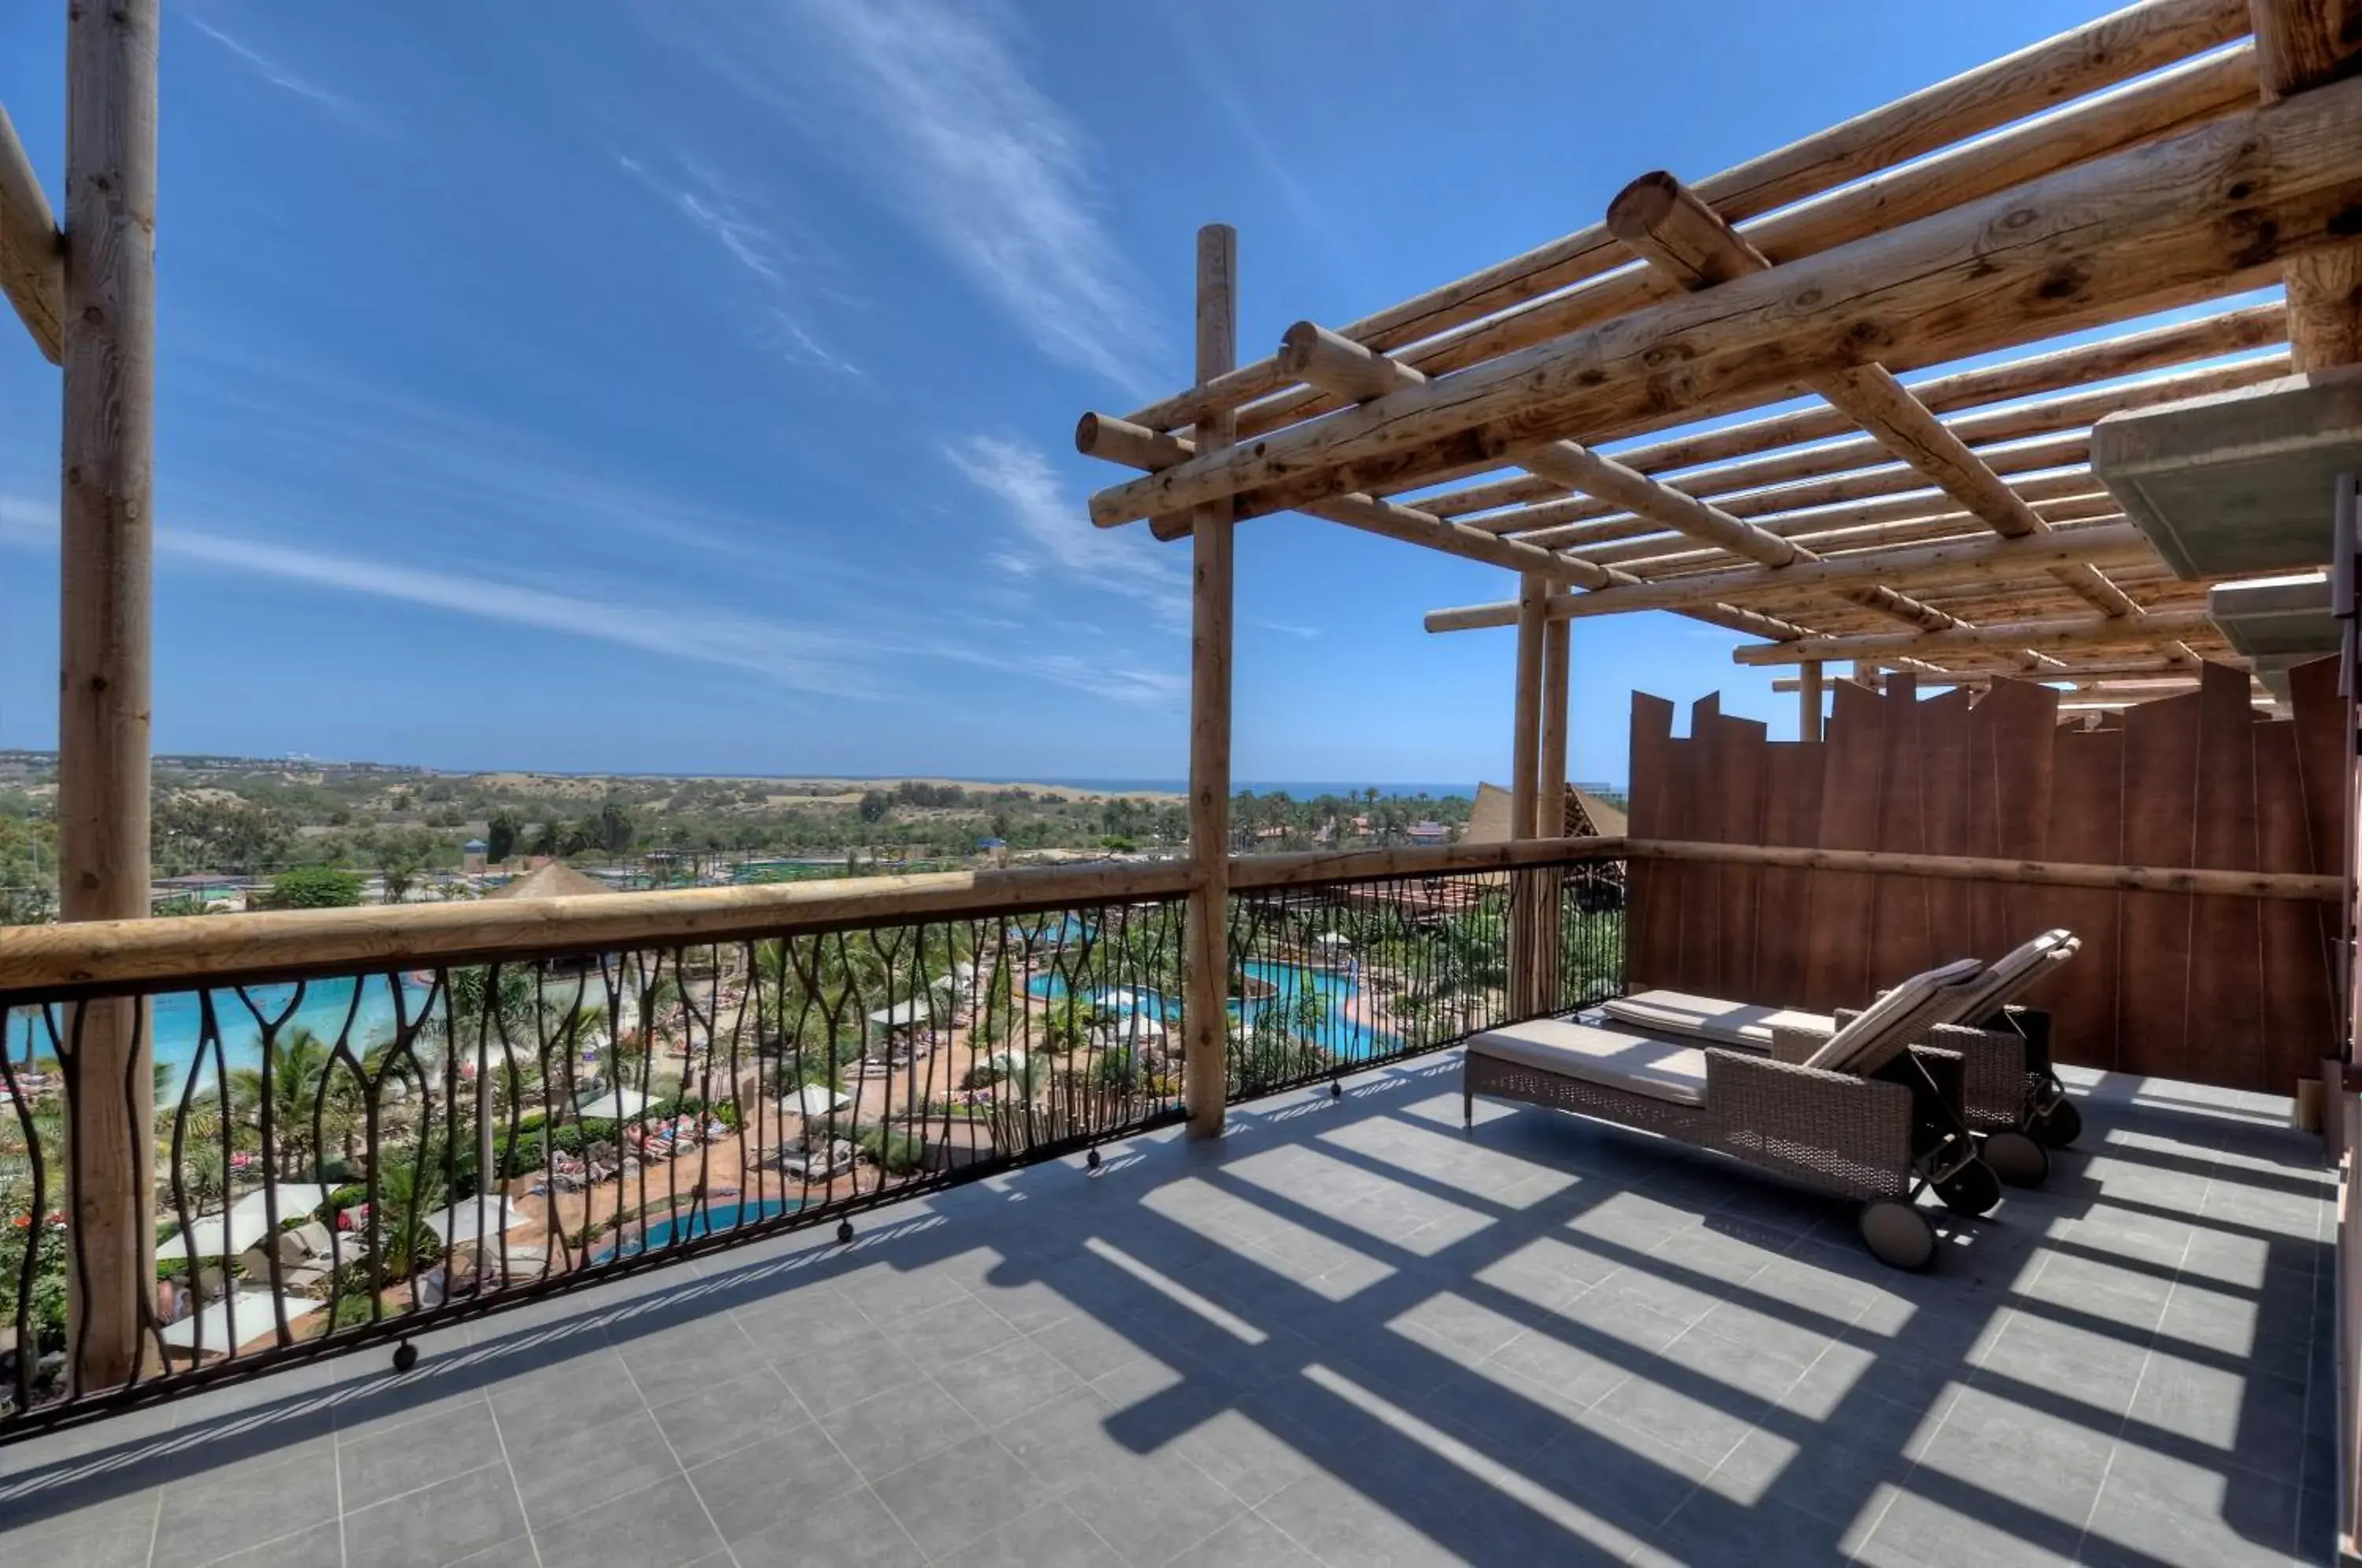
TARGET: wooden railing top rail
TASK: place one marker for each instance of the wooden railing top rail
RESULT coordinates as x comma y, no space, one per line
222,949
1980,868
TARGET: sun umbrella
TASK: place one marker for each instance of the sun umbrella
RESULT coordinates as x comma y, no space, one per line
617,1102
296,1200
215,1236
464,1221
255,1318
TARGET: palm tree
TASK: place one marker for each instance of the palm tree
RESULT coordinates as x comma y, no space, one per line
301,1113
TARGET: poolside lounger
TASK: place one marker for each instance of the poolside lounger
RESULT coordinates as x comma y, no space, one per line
1864,1115
2010,1085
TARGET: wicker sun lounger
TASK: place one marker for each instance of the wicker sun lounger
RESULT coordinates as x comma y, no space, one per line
2011,1088
1863,1115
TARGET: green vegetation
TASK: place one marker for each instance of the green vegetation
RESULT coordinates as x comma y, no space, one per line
314,887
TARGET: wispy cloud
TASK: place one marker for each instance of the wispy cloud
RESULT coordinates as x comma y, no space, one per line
1289,629
736,221
270,70
829,661
934,110
1054,532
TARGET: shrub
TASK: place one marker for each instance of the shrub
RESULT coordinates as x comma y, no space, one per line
314,887
897,1154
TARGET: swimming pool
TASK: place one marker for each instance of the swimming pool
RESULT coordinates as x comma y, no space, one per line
709,1220
1339,1033
179,1020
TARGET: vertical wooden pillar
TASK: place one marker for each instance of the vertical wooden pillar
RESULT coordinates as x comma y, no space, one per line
2301,44
1525,752
1524,788
1866,673
106,546
1549,807
1206,954
1808,700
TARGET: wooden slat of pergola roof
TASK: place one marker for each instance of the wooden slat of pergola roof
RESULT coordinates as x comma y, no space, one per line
2114,172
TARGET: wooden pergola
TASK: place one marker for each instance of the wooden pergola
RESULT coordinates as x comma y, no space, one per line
2166,157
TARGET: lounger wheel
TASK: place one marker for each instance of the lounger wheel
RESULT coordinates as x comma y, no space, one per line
2057,1124
1091,1160
1897,1234
2016,1159
844,1232
405,1356
1972,1189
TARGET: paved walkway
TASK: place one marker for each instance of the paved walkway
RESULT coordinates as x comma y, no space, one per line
1349,1334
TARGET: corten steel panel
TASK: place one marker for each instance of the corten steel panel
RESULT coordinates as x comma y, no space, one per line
2226,961
2160,800
2300,1001
1901,939
1697,954
2320,716
1736,776
2085,823
1791,815
1651,929
1944,786
1837,968
2014,730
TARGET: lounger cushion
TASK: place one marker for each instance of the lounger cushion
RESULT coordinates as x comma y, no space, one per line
2011,973
1679,1014
1661,1069
1894,1021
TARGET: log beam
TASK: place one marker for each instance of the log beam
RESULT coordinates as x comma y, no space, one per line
1671,228
1336,364
32,251
1120,440
1984,554
2132,354
2043,637
2301,45
2140,230
2124,44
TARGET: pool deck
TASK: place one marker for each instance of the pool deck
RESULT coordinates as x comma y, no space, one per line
1349,1333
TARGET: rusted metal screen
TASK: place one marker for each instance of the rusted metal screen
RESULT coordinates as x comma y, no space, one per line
2232,991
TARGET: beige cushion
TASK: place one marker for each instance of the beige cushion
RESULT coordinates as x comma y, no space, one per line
1890,1025
1682,1015
2011,973
1661,1069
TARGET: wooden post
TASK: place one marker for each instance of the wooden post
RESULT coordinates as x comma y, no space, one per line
1206,957
1808,700
1550,809
1525,781
105,544
2302,44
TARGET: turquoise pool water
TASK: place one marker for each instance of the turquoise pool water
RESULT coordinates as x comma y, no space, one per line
706,1221
1342,1036
323,1008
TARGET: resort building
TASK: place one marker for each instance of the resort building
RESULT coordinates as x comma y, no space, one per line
1922,1141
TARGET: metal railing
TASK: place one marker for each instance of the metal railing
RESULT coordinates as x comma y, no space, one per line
346,1152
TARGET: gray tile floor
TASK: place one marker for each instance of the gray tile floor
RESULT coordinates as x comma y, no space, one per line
1349,1335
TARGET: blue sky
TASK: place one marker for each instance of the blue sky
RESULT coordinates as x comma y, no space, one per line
676,387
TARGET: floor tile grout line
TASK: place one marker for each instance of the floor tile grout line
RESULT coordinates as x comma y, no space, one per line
704,1507
524,1514
2148,1358
156,1526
